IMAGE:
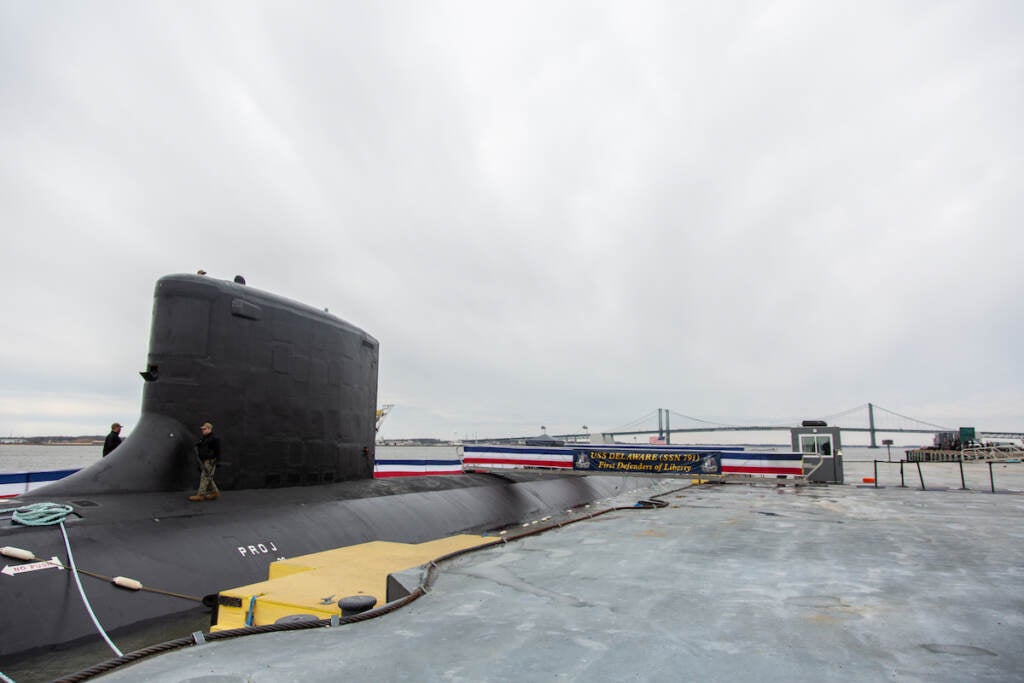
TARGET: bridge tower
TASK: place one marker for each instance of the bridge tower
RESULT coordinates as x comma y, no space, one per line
871,424
664,431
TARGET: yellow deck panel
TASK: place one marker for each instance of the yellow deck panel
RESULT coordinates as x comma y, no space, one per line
313,584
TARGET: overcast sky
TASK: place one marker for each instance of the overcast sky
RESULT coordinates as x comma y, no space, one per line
548,213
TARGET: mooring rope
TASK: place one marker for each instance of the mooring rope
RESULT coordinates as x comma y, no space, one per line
81,591
41,514
44,514
427,581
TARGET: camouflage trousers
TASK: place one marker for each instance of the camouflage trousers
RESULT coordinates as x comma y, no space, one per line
207,485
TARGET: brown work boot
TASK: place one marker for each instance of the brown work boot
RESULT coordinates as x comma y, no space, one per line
195,498
213,496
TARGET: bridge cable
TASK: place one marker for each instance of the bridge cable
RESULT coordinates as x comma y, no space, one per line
845,412
707,422
912,419
633,423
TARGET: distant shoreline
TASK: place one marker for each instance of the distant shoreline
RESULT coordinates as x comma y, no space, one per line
53,441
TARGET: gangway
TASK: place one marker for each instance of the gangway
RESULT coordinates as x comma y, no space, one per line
995,453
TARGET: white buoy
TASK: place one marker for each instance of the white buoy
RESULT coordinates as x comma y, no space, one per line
125,582
17,553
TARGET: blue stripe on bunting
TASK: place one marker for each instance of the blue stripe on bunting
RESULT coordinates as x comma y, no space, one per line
526,450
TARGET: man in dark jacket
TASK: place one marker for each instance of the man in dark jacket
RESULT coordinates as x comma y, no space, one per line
207,450
113,439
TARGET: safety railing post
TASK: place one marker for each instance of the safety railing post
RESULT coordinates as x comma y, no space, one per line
876,473
920,476
963,484
903,484
991,479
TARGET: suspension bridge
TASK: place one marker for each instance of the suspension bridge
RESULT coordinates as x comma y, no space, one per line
866,418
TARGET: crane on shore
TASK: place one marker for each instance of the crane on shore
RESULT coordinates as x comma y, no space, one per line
382,412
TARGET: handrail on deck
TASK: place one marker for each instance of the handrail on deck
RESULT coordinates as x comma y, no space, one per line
920,473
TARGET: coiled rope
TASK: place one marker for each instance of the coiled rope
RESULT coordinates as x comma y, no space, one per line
44,514
41,514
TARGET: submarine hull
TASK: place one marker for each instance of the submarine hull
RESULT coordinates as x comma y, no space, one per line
291,391
198,549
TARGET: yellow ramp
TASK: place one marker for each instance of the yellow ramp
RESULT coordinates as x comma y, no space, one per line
313,584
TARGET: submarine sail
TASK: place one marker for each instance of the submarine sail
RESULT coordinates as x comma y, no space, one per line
292,392
290,389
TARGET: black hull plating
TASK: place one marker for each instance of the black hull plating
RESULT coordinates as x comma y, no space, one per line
292,392
198,549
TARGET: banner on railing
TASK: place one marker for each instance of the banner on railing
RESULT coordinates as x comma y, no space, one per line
646,461
636,459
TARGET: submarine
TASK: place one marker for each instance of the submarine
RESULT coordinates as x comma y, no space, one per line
292,393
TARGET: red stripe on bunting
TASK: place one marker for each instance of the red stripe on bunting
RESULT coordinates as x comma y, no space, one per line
738,469
525,463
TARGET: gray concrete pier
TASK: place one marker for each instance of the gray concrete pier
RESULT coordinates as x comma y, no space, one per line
727,583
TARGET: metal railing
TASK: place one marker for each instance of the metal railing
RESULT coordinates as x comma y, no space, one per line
920,473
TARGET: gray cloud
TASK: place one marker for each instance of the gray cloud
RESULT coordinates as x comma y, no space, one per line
548,214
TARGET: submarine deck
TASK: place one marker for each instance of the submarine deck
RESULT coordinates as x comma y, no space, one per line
729,582
104,507
126,508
